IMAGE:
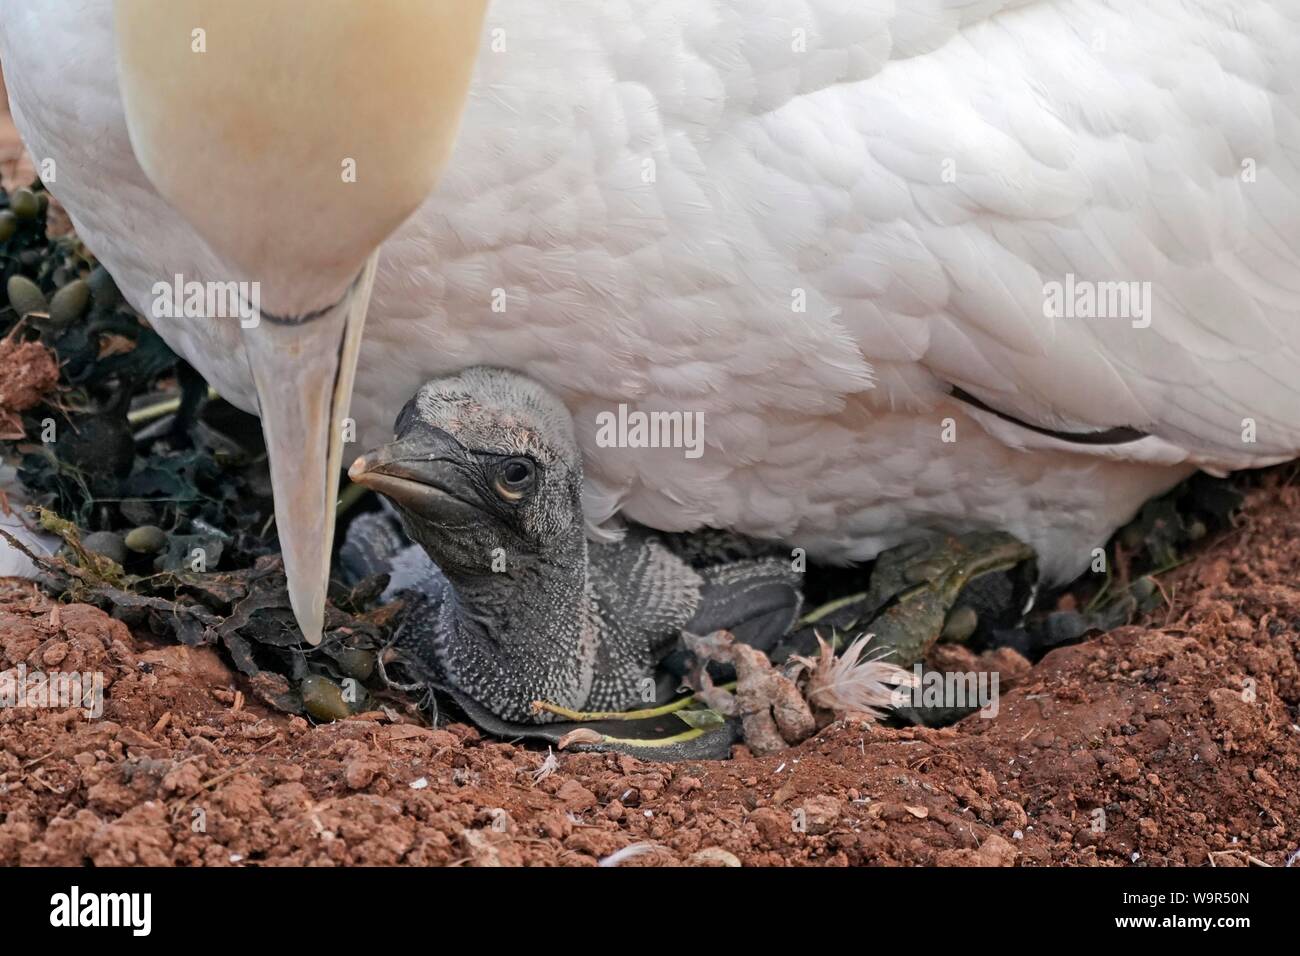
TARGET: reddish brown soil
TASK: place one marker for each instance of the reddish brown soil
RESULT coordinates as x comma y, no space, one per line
1154,726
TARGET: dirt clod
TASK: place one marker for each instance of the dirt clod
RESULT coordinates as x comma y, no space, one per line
30,371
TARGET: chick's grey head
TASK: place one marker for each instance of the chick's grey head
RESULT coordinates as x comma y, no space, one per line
483,465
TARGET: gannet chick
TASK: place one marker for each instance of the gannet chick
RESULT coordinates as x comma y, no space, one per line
486,474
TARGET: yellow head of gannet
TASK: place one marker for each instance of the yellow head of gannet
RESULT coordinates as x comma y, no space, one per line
295,136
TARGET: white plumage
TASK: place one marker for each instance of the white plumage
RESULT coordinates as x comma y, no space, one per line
809,219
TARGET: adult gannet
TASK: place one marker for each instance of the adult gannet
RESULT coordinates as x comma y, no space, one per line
920,266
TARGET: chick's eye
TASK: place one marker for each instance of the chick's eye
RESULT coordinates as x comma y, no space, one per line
517,472
514,478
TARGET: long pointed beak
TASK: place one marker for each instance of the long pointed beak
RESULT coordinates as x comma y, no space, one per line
304,375
418,476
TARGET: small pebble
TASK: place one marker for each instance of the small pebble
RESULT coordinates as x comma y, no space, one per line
26,296
147,539
69,303
322,698
355,663
108,544
25,204
103,288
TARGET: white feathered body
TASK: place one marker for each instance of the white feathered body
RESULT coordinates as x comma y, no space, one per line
809,220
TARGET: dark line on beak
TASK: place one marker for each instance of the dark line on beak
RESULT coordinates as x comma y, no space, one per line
301,319
334,385
314,315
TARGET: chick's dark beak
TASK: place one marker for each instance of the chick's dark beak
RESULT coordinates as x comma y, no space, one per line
418,475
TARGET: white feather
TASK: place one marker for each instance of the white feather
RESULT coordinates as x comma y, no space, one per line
916,172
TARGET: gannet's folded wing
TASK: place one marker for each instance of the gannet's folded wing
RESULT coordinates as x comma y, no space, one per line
1087,217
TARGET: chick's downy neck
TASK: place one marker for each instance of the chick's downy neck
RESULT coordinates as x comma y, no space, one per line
525,632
